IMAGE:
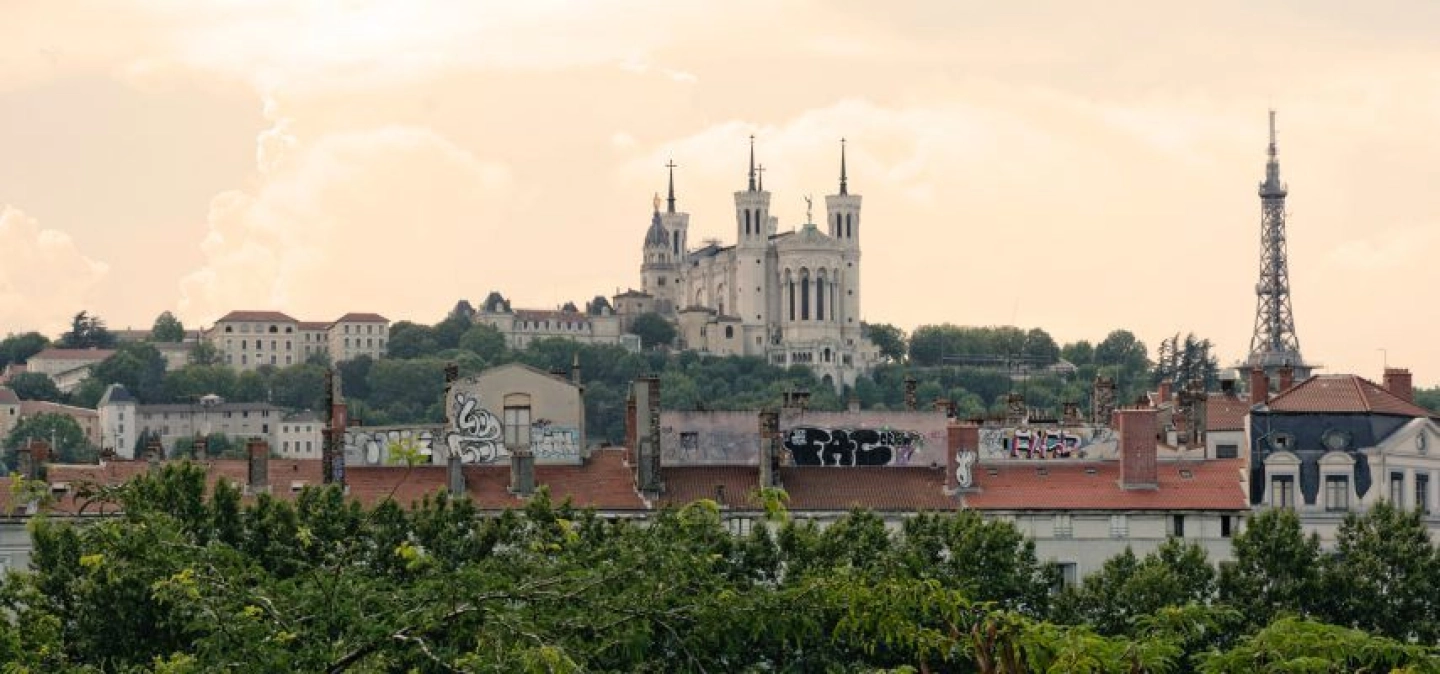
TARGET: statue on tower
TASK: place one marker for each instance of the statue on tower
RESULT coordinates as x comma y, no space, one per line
809,212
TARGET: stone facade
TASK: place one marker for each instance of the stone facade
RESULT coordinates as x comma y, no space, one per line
247,340
522,326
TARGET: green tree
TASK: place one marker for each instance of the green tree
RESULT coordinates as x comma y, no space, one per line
484,341
355,376
888,338
1078,353
205,353
653,330
19,348
1127,588
1040,347
167,328
87,332
410,340
299,387
1296,645
70,444
137,365
447,333
1276,568
35,386
190,383
1385,575
408,391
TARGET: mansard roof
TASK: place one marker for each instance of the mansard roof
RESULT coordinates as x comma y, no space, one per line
1343,394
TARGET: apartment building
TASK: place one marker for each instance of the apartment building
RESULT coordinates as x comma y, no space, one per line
248,340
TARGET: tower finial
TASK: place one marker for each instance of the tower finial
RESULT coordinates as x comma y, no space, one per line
1272,184
752,162
843,187
760,177
1272,133
670,201
657,202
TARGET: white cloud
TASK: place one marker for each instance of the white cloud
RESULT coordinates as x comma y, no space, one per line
45,278
1384,250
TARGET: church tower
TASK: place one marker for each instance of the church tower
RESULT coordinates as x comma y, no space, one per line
752,246
842,216
677,224
658,271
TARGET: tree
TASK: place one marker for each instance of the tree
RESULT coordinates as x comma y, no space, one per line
1078,353
888,338
35,386
70,444
190,383
653,330
205,353
599,306
167,328
410,340
138,366
1385,575
447,332
1276,568
1127,588
485,341
19,348
1040,347
1297,645
299,387
87,332
355,376
408,391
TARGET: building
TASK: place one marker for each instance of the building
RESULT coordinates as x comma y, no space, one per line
248,340
790,297
9,411
300,435
119,421
68,368
86,418
1335,444
124,422
520,327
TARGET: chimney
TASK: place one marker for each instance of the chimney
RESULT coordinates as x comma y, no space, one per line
154,451
1102,400
1287,377
960,438
1163,395
910,405
631,436
259,452
522,470
1398,383
647,427
1071,414
1259,386
575,369
454,477
332,437
1138,469
769,448
854,404
943,406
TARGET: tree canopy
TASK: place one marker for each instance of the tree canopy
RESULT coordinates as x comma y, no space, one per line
87,332
653,330
167,328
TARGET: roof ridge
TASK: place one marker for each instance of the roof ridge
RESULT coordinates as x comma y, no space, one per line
1355,380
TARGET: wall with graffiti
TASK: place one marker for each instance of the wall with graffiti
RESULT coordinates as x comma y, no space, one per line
806,438
479,407
370,445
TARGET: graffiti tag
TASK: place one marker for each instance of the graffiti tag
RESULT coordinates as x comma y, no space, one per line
811,446
475,435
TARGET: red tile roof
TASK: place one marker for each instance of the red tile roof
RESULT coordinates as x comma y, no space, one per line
1225,412
29,407
1343,393
257,316
96,355
1212,485
684,484
315,325
8,397
353,317
814,488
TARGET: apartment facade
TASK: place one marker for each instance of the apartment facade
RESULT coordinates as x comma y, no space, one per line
248,340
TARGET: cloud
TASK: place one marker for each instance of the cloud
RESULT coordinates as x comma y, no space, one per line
45,278
384,219
1384,250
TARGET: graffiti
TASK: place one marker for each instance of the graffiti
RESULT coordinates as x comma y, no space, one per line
475,435
552,442
965,460
812,446
1048,443
371,446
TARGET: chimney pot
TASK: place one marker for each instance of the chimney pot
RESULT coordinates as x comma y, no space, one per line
1399,383
1259,386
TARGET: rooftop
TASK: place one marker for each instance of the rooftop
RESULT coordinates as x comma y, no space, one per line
96,355
1095,485
256,317
1343,393
354,317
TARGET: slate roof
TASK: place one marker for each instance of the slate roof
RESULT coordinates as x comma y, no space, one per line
1343,393
257,316
1225,412
116,393
1095,485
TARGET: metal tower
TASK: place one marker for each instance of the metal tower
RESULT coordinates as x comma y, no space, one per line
1274,343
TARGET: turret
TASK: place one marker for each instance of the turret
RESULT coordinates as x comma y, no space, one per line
842,211
752,208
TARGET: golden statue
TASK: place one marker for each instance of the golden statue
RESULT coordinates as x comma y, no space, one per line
657,202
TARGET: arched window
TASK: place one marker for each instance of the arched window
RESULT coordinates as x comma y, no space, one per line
747,222
836,233
790,285
820,297
849,234
804,295
827,354
676,241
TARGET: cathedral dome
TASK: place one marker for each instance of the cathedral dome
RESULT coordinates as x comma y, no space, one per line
657,236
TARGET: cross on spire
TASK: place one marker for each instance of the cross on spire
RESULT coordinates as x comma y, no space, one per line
843,187
670,201
752,162
760,177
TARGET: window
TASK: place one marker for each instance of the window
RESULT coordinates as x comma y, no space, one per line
729,332
1177,526
1119,527
1282,491
1337,493
1422,493
1397,489
244,343
1069,574
1227,451
517,426
1225,531
1064,527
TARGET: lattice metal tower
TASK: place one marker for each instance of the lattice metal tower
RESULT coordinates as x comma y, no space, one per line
1274,343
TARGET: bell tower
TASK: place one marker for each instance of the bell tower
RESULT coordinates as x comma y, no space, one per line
842,217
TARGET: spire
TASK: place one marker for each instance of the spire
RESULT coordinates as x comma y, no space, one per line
1272,187
760,177
752,162
844,189
670,202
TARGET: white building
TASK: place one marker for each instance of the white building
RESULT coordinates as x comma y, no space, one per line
247,340
791,297
68,368
354,335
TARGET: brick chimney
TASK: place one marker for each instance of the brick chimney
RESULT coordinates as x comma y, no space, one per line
1163,395
454,476
960,437
769,448
1259,386
910,405
258,452
1138,469
631,435
1398,383
647,428
942,405
1287,377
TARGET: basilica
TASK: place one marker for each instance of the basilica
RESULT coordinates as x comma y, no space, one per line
791,297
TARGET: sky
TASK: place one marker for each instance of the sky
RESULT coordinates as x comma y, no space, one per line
1074,166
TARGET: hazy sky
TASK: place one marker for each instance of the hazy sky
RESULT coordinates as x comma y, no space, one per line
1069,165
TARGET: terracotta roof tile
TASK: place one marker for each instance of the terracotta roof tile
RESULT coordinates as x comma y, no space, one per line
257,316
877,488
684,484
354,317
29,407
1095,485
8,397
315,325
1225,412
96,355
1343,393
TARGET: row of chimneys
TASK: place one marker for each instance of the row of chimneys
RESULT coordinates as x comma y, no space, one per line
1397,380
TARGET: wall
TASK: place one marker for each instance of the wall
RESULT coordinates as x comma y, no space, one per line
370,445
808,438
475,429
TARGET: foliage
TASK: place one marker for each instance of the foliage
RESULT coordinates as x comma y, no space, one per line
1384,576
87,332
1297,645
137,366
217,446
35,386
205,353
1429,398
20,347
167,328
69,442
888,338
1276,568
653,330
1184,360
1127,588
